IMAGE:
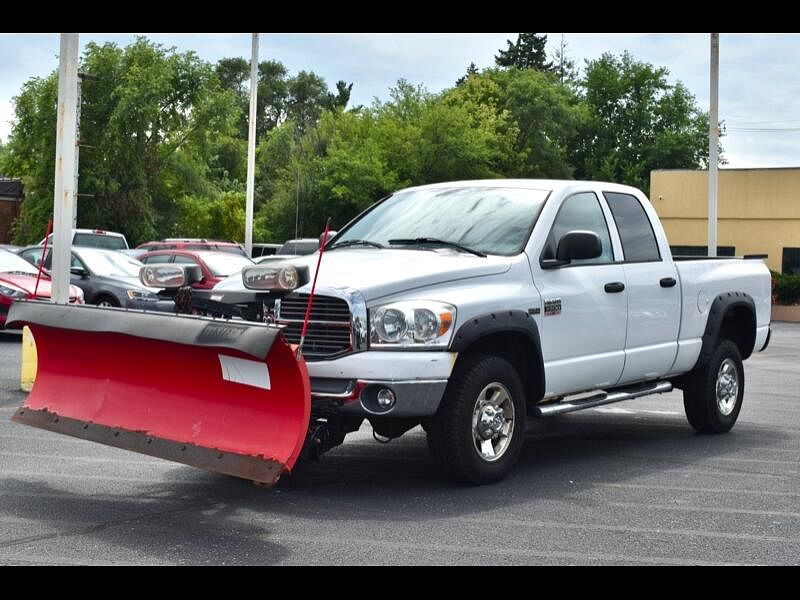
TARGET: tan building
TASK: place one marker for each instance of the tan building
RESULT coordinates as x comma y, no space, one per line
758,212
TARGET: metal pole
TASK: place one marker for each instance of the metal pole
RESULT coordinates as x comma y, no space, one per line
251,150
77,152
66,146
713,144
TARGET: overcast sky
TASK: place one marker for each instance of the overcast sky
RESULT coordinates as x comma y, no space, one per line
759,77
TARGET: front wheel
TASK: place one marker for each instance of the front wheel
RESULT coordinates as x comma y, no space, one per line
107,301
477,435
713,395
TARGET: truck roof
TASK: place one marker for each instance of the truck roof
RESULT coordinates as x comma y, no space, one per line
535,184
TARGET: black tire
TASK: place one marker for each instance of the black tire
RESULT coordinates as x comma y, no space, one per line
451,437
106,298
705,412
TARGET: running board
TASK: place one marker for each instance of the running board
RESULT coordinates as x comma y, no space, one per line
559,408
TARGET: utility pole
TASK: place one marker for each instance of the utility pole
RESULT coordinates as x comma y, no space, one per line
251,150
713,145
66,166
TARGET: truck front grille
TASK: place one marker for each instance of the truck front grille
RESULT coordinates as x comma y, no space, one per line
329,327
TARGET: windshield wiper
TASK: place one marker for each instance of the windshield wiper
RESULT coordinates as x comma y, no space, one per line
427,240
19,273
347,243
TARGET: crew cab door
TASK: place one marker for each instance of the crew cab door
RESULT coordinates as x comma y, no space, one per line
652,287
584,311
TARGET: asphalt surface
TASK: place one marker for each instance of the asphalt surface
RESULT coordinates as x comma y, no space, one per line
629,483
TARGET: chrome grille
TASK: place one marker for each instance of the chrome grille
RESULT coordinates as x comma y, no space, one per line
329,326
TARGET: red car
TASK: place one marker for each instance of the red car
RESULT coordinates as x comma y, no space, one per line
215,266
192,244
18,282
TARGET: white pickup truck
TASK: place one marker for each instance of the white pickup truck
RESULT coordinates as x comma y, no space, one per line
468,307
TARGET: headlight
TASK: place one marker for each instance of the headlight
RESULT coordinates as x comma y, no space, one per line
12,293
141,295
162,276
413,324
274,278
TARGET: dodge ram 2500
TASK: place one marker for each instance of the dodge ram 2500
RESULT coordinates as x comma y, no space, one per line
469,307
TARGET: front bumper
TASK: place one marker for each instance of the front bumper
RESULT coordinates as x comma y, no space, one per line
349,384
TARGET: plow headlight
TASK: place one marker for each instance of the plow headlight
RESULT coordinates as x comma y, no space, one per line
162,276
283,278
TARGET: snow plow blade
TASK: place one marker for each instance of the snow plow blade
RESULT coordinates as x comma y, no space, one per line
225,396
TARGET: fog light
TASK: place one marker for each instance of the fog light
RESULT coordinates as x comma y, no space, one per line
386,398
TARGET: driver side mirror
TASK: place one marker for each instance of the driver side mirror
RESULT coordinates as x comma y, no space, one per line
80,271
575,245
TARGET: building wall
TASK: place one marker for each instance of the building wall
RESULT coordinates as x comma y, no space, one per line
9,210
758,210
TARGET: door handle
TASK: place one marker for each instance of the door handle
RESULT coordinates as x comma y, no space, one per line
614,287
667,282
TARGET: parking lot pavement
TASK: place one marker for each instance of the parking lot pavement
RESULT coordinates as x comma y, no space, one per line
625,483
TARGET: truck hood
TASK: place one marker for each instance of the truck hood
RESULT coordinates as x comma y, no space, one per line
377,273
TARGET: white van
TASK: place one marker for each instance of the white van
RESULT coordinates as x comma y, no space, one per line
95,238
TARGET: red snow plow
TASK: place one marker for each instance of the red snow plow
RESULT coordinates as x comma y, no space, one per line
228,396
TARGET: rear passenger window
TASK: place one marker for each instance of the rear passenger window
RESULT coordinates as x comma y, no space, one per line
185,260
635,230
155,260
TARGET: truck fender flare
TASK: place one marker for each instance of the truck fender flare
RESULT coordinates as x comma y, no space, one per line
500,322
721,306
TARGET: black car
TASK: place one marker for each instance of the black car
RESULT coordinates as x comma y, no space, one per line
107,278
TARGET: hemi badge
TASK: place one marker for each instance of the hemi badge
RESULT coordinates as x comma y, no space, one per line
552,307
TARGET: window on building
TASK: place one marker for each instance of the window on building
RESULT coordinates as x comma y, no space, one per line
701,250
635,230
791,261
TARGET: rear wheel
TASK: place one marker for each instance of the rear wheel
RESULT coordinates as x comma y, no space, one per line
477,435
713,395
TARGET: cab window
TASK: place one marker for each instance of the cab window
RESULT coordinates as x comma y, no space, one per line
580,212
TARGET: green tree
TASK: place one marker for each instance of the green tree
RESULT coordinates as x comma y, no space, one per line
3,158
152,120
635,121
563,65
471,70
340,99
542,115
527,53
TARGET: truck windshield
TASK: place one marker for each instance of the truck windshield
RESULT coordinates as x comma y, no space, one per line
490,220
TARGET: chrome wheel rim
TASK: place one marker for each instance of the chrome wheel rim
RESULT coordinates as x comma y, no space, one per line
727,387
104,303
493,422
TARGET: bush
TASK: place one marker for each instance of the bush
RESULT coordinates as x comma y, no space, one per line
785,289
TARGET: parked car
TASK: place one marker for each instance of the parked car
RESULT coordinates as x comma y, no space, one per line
215,266
299,247
18,282
192,244
107,278
94,238
264,250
